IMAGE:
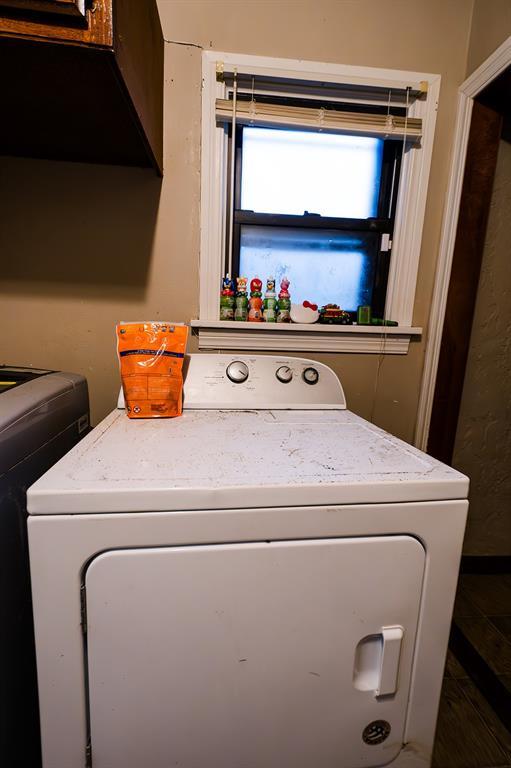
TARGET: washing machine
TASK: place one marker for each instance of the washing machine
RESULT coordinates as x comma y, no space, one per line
43,414
265,582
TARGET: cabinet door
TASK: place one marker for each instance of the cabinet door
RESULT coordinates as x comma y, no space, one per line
262,655
70,8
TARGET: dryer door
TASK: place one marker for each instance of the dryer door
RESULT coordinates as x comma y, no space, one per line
263,655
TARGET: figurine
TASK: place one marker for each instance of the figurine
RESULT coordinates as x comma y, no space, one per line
364,315
304,313
284,302
255,302
228,284
241,311
332,314
227,299
270,302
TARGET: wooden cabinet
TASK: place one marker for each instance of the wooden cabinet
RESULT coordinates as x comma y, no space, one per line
82,86
72,8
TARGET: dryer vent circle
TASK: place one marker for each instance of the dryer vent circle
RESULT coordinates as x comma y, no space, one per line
376,732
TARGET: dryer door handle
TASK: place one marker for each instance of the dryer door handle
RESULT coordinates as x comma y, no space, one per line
390,653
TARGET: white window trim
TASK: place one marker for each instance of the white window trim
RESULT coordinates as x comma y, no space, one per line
216,334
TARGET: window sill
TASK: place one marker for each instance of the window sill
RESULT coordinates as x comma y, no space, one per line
225,334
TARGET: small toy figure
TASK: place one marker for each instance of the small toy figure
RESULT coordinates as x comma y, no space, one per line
332,314
255,302
270,302
227,299
241,311
304,313
284,302
241,285
364,315
382,321
227,283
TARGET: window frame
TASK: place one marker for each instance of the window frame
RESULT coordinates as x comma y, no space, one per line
409,214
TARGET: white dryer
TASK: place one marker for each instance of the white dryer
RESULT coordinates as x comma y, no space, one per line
264,582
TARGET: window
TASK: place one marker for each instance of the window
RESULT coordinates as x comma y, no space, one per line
321,176
317,208
289,172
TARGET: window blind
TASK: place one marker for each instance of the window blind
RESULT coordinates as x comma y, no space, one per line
259,113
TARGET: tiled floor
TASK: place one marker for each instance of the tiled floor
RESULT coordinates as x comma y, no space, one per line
469,733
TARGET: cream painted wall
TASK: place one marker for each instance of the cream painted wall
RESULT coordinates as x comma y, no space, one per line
83,246
483,440
491,25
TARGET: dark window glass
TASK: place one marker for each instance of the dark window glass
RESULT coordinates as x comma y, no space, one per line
324,266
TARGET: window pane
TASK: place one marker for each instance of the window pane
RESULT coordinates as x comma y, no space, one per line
295,171
324,266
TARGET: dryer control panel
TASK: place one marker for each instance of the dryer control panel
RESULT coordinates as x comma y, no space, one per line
255,382
260,381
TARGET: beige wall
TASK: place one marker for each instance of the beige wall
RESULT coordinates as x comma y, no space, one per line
83,246
491,25
483,440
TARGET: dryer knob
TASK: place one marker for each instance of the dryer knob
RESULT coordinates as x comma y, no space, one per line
284,374
237,371
310,376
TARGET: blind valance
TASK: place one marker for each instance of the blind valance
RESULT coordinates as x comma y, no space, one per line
262,114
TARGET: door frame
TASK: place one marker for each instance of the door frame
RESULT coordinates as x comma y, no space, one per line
467,92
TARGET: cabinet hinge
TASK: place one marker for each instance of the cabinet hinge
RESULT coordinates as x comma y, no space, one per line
83,609
88,755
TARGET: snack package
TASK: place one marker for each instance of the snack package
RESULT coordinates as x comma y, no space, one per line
151,358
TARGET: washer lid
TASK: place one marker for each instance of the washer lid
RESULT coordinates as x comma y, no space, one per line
36,408
239,459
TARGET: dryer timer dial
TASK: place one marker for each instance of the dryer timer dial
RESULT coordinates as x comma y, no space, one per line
237,371
284,374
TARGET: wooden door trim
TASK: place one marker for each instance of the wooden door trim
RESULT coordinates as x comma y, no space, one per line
476,194
467,92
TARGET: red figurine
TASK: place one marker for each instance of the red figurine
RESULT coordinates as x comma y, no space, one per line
255,302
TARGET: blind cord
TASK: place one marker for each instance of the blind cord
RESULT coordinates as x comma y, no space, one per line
381,356
233,160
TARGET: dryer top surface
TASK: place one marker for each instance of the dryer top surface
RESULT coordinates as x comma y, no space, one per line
216,459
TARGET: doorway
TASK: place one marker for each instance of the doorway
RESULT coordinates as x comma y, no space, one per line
470,424
465,412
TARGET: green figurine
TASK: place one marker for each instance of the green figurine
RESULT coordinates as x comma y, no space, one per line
241,310
270,302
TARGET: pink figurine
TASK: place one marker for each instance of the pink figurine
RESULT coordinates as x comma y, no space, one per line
284,285
284,303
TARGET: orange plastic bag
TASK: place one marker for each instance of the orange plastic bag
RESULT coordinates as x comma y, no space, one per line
151,361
